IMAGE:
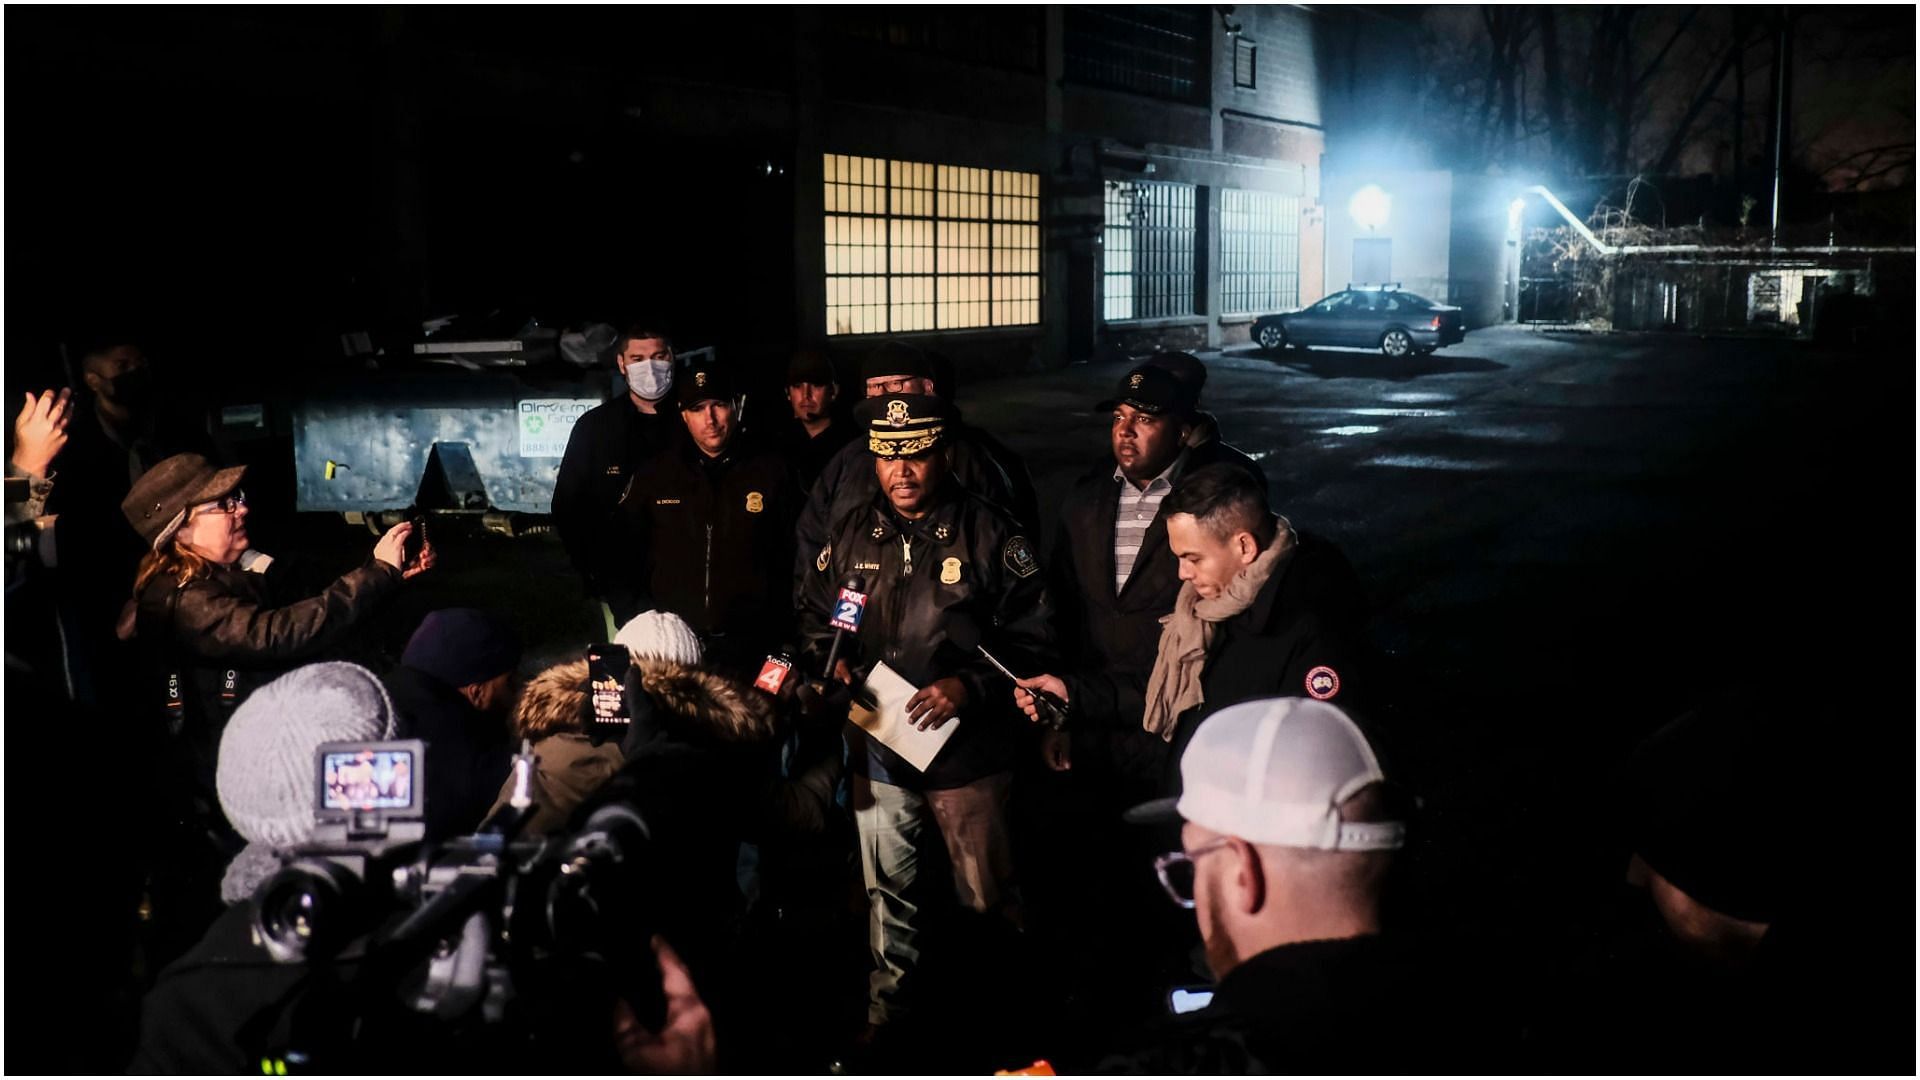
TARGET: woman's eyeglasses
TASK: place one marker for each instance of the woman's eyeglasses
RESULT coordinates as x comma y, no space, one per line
1175,869
226,505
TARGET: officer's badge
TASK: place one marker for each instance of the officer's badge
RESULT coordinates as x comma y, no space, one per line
897,413
820,563
950,572
755,502
879,533
942,532
700,380
1134,382
1018,556
1322,683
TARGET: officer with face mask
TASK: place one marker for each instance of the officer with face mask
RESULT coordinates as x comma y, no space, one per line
608,443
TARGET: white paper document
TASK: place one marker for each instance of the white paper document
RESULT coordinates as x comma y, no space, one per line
880,709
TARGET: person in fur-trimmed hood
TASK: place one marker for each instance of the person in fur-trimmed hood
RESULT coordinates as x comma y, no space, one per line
692,706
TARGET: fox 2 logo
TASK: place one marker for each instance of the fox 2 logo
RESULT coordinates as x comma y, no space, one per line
848,609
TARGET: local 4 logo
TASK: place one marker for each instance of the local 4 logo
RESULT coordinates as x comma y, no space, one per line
773,674
848,610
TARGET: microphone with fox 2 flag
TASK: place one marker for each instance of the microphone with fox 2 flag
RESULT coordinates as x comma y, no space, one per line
849,607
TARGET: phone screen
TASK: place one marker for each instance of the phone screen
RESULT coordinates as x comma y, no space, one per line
607,689
1182,1000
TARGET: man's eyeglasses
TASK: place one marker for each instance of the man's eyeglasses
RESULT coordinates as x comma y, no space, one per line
226,505
1175,869
893,386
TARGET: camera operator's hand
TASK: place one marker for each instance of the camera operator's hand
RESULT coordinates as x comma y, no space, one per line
40,431
1056,750
936,703
684,1044
1051,684
392,550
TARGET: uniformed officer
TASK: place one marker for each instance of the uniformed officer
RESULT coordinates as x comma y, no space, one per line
944,573
710,528
608,442
978,462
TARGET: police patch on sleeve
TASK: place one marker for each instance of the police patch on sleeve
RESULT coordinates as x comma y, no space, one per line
1019,557
826,553
1322,683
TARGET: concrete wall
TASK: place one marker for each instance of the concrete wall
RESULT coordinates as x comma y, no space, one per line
1419,223
1484,257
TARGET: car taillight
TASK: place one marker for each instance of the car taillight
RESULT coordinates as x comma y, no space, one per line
1435,324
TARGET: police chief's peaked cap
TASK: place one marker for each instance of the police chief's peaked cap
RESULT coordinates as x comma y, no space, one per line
904,425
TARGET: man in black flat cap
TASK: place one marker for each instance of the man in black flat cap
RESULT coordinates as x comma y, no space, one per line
942,573
710,529
979,464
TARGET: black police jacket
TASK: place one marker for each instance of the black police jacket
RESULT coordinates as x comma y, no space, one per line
710,539
608,442
1110,639
937,589
1303,636
848,483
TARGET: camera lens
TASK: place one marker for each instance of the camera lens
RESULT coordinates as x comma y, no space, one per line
300,912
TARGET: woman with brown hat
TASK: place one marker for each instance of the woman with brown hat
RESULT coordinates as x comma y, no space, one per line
212,626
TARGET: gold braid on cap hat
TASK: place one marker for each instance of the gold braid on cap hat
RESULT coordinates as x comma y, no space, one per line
903,443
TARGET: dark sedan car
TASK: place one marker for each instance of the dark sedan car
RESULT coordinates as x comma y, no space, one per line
1395,322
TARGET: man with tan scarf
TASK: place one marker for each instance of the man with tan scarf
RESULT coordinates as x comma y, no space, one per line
1263,611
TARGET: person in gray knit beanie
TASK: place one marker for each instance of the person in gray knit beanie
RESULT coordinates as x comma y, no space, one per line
265,774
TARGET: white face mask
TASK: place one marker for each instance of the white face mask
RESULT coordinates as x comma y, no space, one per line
651,379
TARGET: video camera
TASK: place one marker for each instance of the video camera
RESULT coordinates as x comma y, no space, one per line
489,929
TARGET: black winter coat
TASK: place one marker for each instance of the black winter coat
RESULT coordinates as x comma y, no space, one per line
980,465
1303,636
608,442
937,588
809,454
1111,640
1349,1005
710,539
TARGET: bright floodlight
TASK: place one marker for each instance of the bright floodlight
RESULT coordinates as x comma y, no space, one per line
1369,207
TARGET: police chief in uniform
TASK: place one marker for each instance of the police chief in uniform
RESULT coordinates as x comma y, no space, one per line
944,573
709,527
976,462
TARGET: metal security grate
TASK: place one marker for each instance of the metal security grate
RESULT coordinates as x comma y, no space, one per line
1147,270
1259,252
1157,51
917,246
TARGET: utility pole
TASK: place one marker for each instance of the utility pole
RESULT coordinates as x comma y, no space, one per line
1782,65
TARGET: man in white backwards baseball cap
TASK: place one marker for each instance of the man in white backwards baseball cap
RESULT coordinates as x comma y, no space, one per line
1288,830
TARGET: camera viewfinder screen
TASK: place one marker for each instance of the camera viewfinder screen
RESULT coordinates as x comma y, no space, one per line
369,780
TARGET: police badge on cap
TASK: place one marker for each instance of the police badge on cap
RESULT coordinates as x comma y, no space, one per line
903,425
